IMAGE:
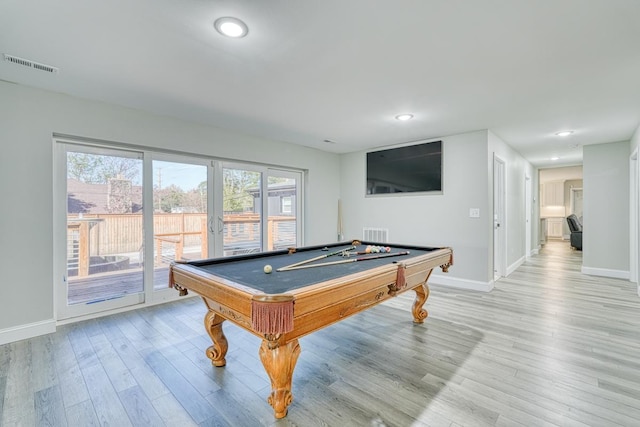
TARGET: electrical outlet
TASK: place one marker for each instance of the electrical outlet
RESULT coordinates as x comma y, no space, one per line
474,213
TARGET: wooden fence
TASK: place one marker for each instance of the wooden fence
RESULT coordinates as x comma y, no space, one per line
108,234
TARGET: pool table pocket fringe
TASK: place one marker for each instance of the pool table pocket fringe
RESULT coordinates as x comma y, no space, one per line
268,317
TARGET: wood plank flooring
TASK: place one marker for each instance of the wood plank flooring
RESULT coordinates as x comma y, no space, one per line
548,346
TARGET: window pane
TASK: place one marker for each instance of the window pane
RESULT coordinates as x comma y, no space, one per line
242,211
282,212
179,216
104,227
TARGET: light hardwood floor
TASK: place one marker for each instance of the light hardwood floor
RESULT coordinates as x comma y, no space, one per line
548,346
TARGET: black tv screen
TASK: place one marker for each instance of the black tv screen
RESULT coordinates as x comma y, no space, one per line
408,169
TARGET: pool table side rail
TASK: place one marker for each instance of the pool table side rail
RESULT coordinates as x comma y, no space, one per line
267,254
334,299
321,305
230,299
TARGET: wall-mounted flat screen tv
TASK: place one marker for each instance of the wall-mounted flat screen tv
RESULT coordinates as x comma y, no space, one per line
408,169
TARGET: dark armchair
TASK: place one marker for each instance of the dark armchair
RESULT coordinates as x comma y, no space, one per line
576,231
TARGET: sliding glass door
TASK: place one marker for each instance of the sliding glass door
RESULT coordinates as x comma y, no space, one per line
261,208
180,205
124,215
283,208
103,229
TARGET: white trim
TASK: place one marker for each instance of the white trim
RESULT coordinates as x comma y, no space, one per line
29,330
605,272
535,251
513,267
472,285
155,301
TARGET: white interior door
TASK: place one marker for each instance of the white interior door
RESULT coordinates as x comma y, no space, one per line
634,199
499,261
528,213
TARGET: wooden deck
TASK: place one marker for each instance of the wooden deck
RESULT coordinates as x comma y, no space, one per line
113,285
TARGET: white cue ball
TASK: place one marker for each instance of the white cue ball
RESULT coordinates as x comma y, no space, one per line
267,269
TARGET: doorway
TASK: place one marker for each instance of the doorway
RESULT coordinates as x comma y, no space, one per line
528,209
499,234
634,201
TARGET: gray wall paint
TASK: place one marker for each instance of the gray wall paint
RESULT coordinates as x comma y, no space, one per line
606,206
635,140
443,220
432,220
28,119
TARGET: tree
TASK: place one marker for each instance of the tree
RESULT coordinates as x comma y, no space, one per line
170,197
98,169
236,186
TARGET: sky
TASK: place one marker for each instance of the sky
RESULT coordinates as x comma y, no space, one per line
184,175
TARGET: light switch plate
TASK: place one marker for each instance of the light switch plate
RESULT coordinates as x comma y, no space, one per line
474,213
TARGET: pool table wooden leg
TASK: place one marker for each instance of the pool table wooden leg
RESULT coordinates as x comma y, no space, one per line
279,362
213,326
419,313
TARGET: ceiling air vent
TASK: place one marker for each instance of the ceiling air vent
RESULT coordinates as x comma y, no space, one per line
31,64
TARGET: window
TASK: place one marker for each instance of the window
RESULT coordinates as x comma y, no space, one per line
112,253
286,205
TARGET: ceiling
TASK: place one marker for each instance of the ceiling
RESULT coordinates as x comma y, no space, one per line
341,70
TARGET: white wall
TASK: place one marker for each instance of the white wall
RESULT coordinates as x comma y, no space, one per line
516,168
606,209
29,117
431,220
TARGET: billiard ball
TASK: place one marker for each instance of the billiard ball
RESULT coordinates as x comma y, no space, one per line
267,269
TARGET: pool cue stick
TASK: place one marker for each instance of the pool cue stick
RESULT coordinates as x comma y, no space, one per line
345,261
363,253
288,267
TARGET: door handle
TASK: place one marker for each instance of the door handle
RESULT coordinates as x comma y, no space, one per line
220,224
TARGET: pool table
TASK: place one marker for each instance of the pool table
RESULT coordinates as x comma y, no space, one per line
309,288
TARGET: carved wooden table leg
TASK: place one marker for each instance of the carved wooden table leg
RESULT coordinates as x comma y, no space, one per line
213,326
279,360
419,313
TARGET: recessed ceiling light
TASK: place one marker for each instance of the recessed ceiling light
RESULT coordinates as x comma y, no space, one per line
555,158
404,117
564,133
231,27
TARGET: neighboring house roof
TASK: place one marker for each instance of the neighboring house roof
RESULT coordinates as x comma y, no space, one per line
277,189
92,198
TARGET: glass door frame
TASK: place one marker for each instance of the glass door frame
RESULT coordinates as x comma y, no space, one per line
161,295
63,313
62,309
266,172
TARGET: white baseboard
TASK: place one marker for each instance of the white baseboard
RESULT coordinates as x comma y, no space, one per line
605,272
24,332
454,282
513,267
